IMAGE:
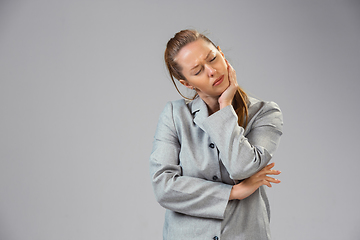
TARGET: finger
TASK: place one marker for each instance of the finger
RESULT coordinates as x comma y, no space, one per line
230,67
232,75
264,174
261,183
266,168
270,165
268,172
272,172
267,183
227,64
269,168
273,180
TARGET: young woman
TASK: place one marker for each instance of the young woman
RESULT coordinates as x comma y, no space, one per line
210,155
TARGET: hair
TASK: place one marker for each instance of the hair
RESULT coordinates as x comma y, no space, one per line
173,47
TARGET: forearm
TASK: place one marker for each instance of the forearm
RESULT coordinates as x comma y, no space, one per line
189,195
250,185
243,155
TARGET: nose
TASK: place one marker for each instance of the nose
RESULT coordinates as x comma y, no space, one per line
211,71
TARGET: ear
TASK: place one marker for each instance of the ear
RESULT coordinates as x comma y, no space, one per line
186,84
218,47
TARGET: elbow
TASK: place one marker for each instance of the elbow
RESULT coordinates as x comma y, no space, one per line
162,183
158,191
259,158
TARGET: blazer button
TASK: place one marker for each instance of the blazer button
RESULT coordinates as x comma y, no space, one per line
215,178
211,145
215,238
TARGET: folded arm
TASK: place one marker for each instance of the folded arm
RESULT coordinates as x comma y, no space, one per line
243,156
188,195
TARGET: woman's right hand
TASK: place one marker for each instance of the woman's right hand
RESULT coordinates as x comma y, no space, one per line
251,184
227,96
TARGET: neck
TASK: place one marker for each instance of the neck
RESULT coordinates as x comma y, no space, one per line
212,104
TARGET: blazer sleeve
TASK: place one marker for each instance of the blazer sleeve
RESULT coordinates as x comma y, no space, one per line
242,155
188,195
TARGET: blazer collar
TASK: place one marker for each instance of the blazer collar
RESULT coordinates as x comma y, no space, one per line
199,110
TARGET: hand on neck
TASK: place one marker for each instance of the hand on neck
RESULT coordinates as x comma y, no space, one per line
212,103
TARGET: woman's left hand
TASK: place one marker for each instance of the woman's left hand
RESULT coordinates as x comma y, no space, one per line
250,185
227,96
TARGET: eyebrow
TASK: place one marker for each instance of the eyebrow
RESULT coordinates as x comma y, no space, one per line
198,64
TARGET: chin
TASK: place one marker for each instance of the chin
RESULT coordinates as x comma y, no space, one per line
220,91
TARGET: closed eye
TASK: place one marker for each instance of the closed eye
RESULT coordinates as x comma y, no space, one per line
213,59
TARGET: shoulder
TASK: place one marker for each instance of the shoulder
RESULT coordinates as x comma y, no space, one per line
175,117
264,112
175,107
175,110
256,105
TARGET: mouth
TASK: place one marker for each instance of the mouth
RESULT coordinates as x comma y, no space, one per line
218,81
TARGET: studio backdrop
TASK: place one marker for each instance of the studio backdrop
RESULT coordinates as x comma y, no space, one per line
82,84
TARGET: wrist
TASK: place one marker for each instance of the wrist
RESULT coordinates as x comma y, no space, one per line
233,193
225,104
231,197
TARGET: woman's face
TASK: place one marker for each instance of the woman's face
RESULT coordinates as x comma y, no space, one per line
204,68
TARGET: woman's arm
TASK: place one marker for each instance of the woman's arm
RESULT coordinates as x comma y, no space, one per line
243,155
188,195
250,185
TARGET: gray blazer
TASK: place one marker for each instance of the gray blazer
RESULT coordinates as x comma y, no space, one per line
197,158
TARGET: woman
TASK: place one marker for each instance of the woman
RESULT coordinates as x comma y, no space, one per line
210,156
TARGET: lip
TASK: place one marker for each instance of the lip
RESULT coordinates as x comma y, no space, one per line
218,81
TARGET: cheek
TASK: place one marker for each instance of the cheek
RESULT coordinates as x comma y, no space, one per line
223,64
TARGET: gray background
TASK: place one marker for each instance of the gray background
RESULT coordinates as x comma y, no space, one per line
82,84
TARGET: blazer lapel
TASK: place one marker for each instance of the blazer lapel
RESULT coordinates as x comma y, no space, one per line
199,111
